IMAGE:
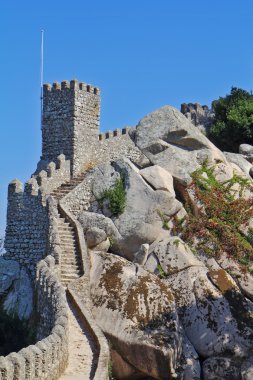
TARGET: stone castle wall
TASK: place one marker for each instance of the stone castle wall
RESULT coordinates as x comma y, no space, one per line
110,146
47,359
201,116
27,232
27,224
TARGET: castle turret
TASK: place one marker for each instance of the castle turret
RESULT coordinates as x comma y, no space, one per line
70,124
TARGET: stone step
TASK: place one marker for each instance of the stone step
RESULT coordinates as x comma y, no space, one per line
67,277
69,266
70,272
70,269
68,236
70,257
64,227
69,253
68,241
63,221
65,231
68,245
61,192
68,250
63,188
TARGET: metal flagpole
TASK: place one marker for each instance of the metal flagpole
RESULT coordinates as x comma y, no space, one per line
41,74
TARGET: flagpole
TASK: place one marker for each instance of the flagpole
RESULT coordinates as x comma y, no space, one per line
41,74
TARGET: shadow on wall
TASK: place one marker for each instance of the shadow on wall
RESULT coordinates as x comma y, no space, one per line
14,333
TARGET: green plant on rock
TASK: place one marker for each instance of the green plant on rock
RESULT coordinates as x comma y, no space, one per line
165,222
216,228
116,197
162,273
110,375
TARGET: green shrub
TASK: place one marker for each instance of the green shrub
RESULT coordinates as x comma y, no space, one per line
116,197
233,123
217,229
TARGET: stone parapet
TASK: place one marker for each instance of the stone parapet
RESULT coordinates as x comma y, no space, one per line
70,85
116,133
27,224
56,173
47,359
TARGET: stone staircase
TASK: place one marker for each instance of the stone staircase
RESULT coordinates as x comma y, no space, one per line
70,264
83,346
65,188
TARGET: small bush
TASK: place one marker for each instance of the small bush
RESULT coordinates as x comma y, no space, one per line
233,122
116,197
217,229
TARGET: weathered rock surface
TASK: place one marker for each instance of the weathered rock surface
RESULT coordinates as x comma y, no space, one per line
94,236
158,178
173,255
242,278
240,161
247,369
206,301
246,150
221,368
141,256
92,220
170,140
137,313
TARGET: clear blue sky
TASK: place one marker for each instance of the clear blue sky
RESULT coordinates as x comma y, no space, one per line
143,54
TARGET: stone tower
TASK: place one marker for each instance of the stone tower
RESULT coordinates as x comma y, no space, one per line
70,123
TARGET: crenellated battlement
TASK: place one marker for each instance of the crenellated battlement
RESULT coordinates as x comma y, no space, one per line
70,85
16,188
116,133
55,175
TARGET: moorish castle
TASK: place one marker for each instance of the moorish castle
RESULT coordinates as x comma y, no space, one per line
42,231
116,257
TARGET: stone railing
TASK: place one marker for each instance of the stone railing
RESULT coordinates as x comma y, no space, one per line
54,242
48,358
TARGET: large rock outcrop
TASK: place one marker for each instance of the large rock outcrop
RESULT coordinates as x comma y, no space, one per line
145,207
171,141
137,312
